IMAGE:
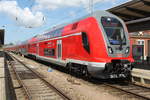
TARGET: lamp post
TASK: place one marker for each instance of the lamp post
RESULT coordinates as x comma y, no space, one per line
91,6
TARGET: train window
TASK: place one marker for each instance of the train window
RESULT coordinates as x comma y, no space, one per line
85,42
49,52
51,34
114,30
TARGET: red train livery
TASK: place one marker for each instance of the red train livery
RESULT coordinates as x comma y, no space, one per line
97,44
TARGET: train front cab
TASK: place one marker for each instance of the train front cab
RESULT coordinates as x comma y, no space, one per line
113,57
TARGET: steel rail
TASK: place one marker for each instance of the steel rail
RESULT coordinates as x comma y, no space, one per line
59,92
20,81
129,92
139,85
112,86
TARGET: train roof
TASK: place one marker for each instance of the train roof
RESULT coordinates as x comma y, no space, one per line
78,19
56,31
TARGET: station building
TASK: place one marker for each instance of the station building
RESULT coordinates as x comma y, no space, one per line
140,44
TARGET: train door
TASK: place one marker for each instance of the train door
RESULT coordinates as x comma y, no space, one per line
59,49
37,48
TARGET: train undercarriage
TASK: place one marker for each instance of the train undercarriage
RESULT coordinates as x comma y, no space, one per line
115,69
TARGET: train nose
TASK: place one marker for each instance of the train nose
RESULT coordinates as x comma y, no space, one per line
118,69
115,69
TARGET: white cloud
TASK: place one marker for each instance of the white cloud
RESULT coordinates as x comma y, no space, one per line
53,4
23,17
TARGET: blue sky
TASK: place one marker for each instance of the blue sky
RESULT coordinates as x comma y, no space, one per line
23,19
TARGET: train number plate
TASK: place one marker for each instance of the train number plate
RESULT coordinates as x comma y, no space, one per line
117,76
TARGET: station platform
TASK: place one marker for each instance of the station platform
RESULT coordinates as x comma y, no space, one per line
2,80
141,76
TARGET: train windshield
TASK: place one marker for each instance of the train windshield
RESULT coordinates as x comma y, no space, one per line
114,30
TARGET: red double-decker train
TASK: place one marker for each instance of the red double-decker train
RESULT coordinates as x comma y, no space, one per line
97,44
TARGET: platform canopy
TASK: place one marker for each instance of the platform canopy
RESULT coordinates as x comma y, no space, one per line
135,13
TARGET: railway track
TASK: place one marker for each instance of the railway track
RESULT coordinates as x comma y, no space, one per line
33,84
133,89
139,92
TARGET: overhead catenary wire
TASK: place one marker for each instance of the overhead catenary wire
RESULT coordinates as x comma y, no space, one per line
69,18
78,12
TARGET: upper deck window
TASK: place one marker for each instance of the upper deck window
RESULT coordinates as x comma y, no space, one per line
114,30
51,34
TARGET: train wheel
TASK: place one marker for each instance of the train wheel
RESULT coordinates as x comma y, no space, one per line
68,69
86,74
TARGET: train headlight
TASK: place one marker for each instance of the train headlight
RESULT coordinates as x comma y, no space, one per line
110,50
127,50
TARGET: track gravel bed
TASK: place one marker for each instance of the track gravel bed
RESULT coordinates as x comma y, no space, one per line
76,88
35,87
138,91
